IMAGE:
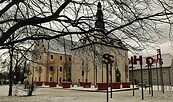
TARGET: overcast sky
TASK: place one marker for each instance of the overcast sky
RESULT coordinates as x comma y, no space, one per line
165,47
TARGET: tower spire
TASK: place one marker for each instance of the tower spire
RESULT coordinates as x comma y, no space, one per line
99,24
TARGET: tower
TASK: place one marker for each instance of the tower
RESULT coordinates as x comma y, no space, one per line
99,24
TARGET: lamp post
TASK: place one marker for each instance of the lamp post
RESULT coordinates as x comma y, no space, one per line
157,77
111,77
134,61
107,59
151,80
132,79
131,61
161,70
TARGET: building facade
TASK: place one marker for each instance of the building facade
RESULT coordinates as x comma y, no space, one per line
51,61
59,61
156,71
88,64
87,56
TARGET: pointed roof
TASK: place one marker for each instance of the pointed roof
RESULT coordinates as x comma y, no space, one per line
99,24
98,37
110,41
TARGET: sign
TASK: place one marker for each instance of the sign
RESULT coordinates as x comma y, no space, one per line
149,60
135,59
107,59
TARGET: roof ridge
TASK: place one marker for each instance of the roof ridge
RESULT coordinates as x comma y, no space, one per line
156,55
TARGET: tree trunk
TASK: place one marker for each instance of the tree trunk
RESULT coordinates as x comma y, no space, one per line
10,71
31,89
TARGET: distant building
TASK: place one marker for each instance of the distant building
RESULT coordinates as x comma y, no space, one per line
167,70
87,56
51,61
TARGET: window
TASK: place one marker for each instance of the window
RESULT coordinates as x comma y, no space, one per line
51,68
51,57
60,69
60,57
69,58
39,79
50,78
82,73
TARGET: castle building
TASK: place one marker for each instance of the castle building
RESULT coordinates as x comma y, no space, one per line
51,61
60,60
87,55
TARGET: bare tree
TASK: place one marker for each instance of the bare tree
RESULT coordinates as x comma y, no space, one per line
15,59
134,20
137,23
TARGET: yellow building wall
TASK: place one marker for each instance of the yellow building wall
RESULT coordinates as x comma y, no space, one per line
73,69
45,62
87,55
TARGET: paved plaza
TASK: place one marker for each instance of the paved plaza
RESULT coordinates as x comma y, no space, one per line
46,94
